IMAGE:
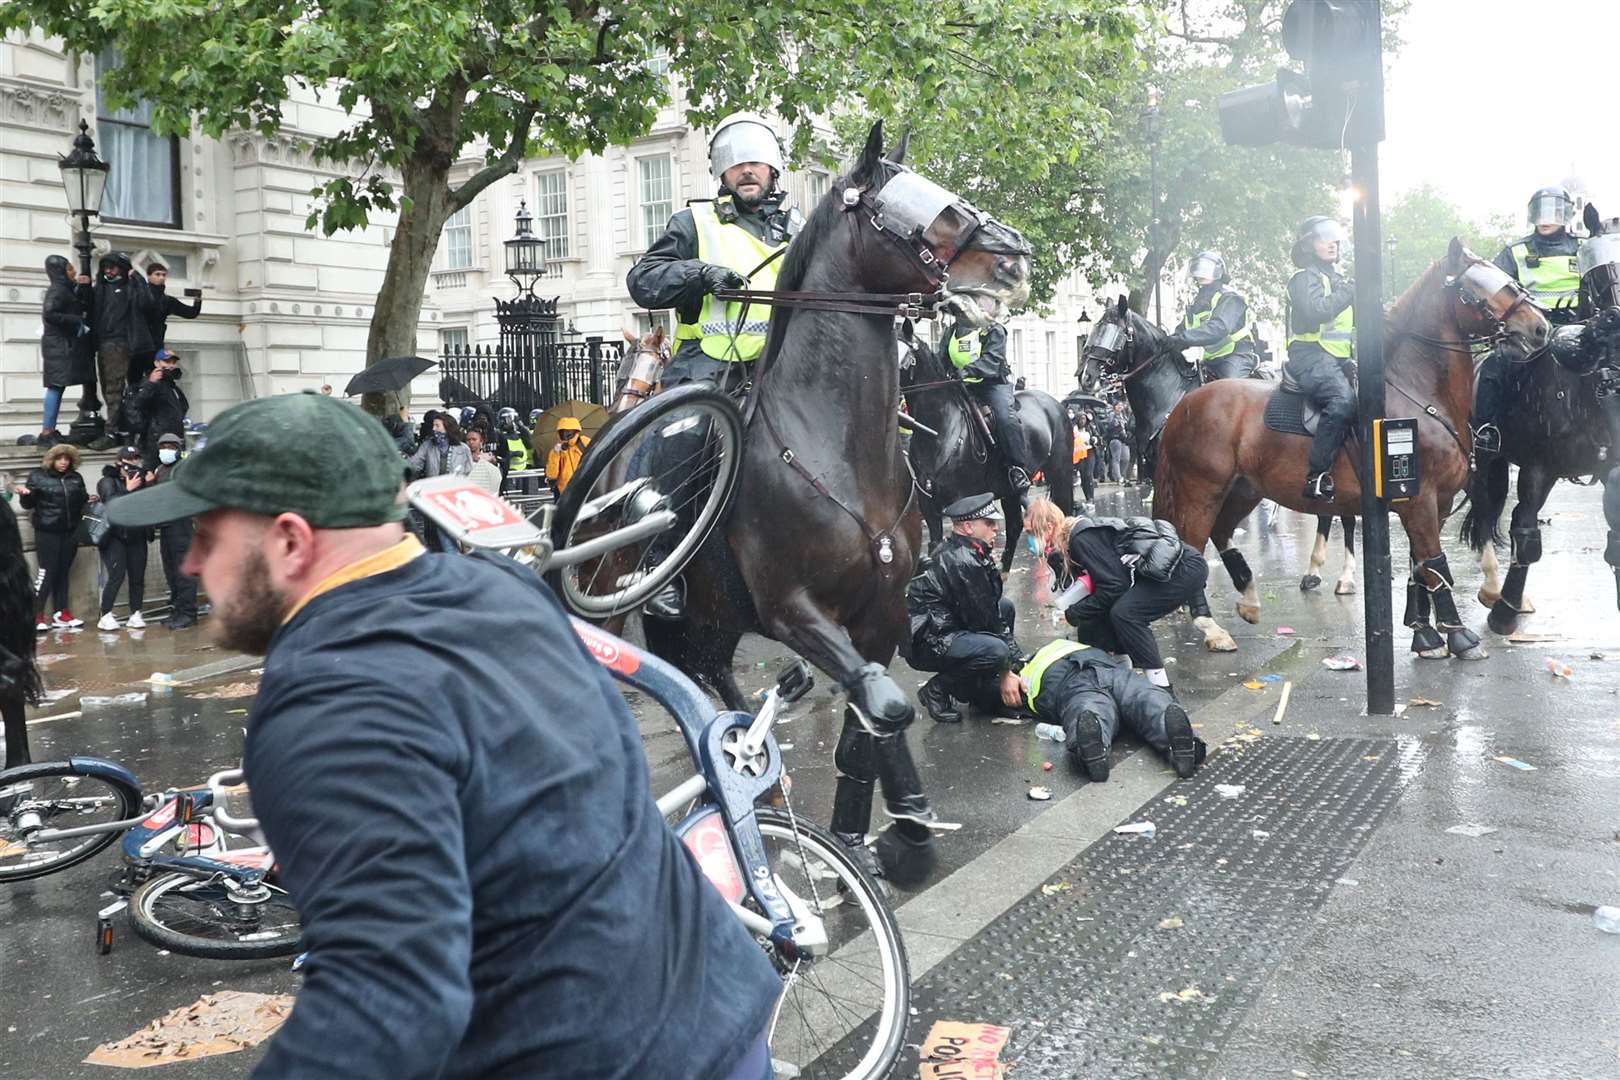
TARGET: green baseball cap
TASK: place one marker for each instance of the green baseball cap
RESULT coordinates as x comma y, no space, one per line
305,454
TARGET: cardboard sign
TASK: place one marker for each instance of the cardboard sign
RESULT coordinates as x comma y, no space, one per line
958,1051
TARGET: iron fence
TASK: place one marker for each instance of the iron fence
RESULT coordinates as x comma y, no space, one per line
531,378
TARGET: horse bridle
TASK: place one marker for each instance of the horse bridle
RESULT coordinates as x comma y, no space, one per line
1480,304
1128,340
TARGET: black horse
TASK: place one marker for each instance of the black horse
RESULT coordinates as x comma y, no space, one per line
960,460
1128,349
1565,425
19,677
818,544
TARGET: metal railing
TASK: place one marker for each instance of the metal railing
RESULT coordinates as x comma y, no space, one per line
537,378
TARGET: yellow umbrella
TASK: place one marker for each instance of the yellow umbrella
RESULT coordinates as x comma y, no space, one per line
592,418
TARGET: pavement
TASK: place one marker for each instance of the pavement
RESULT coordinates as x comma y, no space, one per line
1386,897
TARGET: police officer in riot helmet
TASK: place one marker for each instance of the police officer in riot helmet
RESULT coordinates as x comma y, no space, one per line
1321,332
725,243
1544,263
1217,321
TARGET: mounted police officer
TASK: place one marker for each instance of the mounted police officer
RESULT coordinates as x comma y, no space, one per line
733,240
1544,263
980,356
1217,321
961,626
1321,333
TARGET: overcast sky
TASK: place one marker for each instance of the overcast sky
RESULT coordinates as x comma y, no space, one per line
1488,100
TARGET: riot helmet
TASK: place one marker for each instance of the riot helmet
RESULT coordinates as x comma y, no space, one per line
745,136
1317,229
1207,268
507,418
468,415
1551,206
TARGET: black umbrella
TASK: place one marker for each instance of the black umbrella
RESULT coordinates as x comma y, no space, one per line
394,373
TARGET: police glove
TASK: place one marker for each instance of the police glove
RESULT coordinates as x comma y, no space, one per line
1178,343
721,277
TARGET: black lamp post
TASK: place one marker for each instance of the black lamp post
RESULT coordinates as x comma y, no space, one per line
525,262
529,324
84,179
1153,195
1391,275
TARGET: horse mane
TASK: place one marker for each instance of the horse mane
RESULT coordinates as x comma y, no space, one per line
1414,312
823,219
1404,306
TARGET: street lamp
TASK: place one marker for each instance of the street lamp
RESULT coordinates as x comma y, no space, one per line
84,179
1153,195
529,325
525,252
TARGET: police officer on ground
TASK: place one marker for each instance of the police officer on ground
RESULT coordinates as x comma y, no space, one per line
1217,321
728,242
1544,263
1321,331
980,356
961,626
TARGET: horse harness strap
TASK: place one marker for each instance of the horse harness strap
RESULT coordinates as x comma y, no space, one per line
1432,412
906,305
882,543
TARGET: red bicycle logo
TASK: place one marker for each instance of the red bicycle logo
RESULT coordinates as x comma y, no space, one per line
607,651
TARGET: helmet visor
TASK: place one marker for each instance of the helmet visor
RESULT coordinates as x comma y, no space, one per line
1205,268
1327,231
746,141
1550,208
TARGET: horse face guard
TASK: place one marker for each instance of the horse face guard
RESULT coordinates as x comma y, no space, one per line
1491,296
932,224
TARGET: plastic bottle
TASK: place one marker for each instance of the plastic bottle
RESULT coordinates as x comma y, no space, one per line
1049,731
1607,919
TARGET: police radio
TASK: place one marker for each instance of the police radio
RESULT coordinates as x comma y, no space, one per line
1395,458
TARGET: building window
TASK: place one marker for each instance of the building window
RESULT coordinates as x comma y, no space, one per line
1015,352
647,321
458,240
453,339
816,184
658,62
657,188
551,213
143,186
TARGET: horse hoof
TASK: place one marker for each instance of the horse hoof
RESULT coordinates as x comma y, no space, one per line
1474,652
1248,613
1502,619
1465,644
1526,607
1345,588
1426,642
1438,653
1309,582
1489,599
1219,640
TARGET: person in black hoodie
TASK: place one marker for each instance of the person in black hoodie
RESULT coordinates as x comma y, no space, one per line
20,684
158,406
159,306
66,345
123,551
56,495
121,320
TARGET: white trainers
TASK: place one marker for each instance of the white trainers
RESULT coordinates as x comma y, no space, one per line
135,621
108,621
64,620
41,624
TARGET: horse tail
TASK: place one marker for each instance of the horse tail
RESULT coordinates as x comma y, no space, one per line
1487,495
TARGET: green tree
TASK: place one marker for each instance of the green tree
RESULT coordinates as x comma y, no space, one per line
1421,222
425,82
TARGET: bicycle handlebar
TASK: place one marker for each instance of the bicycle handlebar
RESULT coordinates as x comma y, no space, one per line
217,785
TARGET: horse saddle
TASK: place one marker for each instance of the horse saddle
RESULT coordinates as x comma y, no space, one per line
1289,411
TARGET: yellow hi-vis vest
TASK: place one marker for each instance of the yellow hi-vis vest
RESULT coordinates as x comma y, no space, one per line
729,333
963,351
1552,281
1045,657
1335,336
517,452
1199,318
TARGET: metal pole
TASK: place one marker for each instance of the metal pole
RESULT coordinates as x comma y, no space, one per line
1153,220
85,245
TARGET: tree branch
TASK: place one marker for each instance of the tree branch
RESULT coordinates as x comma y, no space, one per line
505,165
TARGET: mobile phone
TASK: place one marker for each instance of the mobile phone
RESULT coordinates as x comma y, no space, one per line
193,292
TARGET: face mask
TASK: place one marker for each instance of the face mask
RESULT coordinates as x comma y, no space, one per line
440,438
168,456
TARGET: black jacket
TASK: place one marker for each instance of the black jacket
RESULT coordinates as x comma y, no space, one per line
1227,318
56,500
1310,305
160,306
66,345
1100,546
157,409
991,363
111,487
670,274
121,310
958,591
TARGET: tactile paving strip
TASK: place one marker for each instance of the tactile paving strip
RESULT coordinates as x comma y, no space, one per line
1077,975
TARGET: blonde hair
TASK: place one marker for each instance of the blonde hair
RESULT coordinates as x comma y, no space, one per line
1051,527
61,449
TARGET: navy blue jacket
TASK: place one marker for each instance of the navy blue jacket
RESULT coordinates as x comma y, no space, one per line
457,798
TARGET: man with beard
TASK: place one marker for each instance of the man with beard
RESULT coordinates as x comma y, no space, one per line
485,883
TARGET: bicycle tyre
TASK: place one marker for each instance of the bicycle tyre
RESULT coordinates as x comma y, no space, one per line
146,902
895,1013
625,433
127,803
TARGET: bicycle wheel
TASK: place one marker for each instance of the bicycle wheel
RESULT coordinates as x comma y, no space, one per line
844,1011
200,916
680,451
55,795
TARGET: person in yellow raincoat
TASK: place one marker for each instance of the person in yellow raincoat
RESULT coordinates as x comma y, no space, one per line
564,456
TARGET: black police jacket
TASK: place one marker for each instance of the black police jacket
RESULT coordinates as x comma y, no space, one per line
1102,546
958,591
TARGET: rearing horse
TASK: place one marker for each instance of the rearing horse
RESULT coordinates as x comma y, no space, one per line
1219,458
818,544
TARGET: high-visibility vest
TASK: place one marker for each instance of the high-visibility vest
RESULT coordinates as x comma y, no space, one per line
1045,657
1552,280
963,351
726,332
1337,334
517,452
1223,348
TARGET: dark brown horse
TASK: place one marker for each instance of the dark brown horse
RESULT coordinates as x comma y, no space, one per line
19,675
818,545
1218,457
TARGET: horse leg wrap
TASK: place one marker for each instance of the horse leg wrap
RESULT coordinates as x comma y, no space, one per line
1198,606
1526,545
1425,638
1459,638
1238,567
856,763
879,704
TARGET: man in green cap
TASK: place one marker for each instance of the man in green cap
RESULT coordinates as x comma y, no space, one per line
485,883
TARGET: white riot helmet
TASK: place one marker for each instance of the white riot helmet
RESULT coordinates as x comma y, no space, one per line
1551,206
744,136
1207,266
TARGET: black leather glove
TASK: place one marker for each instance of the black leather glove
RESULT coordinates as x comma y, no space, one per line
1607,325
721,277
1177,342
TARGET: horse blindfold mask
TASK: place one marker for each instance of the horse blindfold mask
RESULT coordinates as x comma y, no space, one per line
1106,338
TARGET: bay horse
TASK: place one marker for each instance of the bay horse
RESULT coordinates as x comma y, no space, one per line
1219,458
818,544
960,460
1561,427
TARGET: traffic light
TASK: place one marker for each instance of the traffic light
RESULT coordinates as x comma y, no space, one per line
1338,100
